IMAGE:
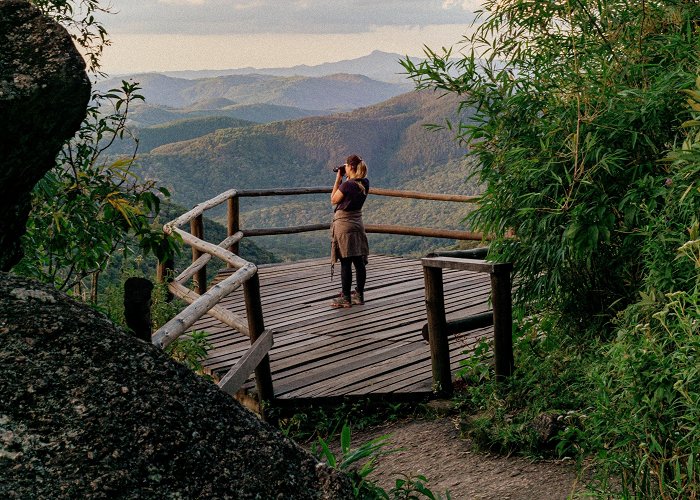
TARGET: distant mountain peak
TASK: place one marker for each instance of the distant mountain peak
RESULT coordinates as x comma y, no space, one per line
377,65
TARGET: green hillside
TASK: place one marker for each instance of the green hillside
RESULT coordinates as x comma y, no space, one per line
266,113
147,115
391,136
400,151
182,130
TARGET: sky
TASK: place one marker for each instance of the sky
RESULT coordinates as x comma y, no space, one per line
167,35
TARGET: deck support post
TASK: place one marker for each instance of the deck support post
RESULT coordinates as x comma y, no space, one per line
200,278
437,331
439,328
502,321
165,272
137,306
233,222
256,326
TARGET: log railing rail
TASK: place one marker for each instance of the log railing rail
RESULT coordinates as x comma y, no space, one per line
439,328
203,301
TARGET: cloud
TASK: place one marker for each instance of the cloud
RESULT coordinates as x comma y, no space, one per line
466,5
182,2
235,17
252,4
141,53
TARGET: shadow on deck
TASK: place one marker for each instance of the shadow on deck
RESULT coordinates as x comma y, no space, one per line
371,351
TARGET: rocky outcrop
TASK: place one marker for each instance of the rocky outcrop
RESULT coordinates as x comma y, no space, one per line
44,91
87,410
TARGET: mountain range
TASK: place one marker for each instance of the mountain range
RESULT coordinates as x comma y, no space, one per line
206,134
382,66
335,92
392,136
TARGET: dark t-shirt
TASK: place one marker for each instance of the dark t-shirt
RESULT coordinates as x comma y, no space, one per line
353,197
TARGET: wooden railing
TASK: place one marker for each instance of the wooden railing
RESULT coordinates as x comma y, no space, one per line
204,301
438,328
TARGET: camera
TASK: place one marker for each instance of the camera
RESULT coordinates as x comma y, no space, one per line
340,168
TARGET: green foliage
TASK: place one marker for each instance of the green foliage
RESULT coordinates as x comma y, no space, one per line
648,381
360,462
190,350
413,487
90,207
550,378
476,368
85,210
575,103
322,421
649,386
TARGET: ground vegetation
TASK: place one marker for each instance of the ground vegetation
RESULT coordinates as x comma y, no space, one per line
585,129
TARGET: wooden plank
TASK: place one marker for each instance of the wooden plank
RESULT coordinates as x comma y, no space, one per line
239,373
374,349
368,322
480,266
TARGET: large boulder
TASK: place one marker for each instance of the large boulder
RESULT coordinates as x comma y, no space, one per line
44,92
87,410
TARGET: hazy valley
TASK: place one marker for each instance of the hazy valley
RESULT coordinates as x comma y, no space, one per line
208,138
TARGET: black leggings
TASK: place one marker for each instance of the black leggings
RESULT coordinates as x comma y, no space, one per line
346,264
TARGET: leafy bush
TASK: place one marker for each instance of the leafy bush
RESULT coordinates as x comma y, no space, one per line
645,427
575,103
576,107
550,379
360,462
645,424
90,206
190,350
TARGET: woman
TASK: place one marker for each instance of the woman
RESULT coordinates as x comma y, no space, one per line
348,239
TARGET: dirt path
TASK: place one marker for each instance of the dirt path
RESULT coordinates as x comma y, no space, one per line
433,448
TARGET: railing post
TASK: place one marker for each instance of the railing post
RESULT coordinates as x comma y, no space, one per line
164,274
502,320
200,279
256,326
233,221
137,306
437,330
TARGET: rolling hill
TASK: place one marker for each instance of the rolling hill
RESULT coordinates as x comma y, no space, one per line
339,92
144,115
400,151
178,130
391,136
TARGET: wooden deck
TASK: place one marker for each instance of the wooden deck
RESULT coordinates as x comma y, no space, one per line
373,350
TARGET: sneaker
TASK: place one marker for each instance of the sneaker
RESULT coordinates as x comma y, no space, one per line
341,302
358,298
